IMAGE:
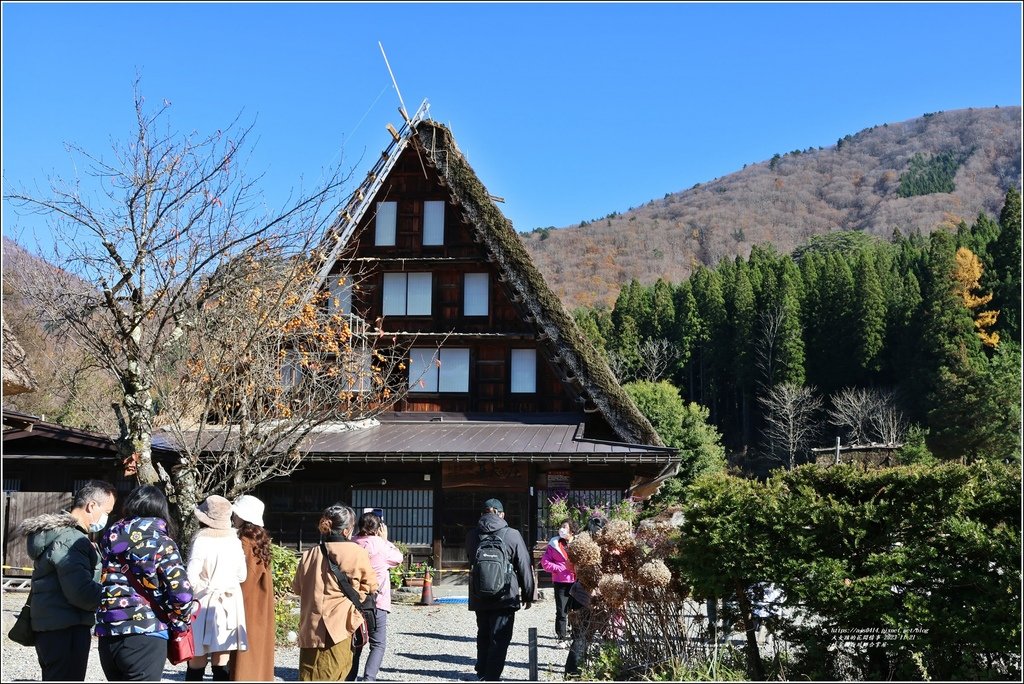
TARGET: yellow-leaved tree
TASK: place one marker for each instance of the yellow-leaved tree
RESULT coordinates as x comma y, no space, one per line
968,276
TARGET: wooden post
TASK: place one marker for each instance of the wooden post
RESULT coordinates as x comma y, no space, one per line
533,654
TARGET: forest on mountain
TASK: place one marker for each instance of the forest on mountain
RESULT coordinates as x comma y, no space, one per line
913,176
911,341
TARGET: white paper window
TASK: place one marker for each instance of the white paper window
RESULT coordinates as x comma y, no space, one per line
454,370
433,223
407,294
475,294
423,370
419,294
444,370
339,299
524,370
387,217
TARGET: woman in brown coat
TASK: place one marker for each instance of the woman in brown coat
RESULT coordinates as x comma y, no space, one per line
257,663
327,619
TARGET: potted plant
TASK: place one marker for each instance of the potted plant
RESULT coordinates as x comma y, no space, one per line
414,574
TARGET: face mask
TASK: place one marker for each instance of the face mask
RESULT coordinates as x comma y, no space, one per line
99,524
563,533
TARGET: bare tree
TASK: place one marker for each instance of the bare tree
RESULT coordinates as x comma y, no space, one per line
147,242
888,424
656,359
267,369
766,352
867,413
789,421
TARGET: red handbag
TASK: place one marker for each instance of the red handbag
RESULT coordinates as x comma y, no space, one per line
180,645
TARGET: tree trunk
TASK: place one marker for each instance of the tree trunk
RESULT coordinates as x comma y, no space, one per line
755,668
183,502
136,443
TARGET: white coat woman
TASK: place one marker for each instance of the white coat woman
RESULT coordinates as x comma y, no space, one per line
216,569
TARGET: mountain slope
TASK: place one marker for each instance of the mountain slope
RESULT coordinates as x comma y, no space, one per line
858,184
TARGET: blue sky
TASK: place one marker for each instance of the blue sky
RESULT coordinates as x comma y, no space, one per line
568,111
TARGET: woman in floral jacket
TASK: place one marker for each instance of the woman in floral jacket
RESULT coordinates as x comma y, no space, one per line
141,568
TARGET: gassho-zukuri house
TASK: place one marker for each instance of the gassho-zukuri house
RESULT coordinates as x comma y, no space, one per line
507,398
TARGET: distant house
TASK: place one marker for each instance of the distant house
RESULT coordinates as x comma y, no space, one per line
506,397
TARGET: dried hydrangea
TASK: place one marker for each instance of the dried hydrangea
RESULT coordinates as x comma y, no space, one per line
618,536
614,589
584,551
654,574
589,576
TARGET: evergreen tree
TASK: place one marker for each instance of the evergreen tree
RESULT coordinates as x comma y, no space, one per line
686,330
740,328
707,292
586,321
663,311
1005,275
870,317
791,360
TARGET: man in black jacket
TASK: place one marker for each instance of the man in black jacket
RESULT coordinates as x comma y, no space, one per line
496,614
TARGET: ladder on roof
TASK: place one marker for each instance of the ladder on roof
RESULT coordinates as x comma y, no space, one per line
359,202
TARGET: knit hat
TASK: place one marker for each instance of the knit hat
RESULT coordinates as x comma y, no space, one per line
249,509
215,512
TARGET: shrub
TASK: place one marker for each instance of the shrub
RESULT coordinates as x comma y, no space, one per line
283,563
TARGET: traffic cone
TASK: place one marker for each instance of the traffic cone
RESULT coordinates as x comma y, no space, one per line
427,597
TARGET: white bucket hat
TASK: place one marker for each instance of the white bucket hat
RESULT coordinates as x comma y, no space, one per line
249,509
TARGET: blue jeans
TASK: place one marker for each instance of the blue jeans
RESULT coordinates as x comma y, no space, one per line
378,640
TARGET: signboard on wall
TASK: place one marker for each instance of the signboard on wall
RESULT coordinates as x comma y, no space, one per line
558,484
485,475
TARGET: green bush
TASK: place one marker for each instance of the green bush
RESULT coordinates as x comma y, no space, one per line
286,619
283,563
928,555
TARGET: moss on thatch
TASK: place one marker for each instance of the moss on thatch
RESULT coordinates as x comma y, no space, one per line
578,357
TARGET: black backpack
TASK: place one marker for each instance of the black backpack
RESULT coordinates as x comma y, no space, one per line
492,569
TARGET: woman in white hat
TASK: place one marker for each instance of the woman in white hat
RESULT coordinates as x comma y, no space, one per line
256,664
216,569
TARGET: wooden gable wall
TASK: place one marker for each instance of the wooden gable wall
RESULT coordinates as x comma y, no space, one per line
490,339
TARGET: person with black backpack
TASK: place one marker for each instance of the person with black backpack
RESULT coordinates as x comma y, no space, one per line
500,579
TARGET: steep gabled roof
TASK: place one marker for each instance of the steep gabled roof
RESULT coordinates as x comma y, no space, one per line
585,367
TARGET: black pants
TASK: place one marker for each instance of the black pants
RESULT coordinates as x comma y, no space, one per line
64,653
562,609
493,635
133,658
578,648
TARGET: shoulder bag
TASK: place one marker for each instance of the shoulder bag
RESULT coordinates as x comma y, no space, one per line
367,606
21,632
181,646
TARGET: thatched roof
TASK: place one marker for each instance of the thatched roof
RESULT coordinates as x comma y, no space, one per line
583,366
17,377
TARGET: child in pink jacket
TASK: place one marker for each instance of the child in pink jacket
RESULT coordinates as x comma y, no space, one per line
373,536
556,561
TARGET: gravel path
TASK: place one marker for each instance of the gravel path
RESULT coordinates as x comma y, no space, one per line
425,643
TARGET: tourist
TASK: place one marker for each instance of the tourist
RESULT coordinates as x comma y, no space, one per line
256,663
556,561
373,536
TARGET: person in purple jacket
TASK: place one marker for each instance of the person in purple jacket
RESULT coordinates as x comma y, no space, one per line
556,561
373,536
142,568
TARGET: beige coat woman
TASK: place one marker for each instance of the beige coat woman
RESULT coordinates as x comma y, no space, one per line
324,610
216,569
